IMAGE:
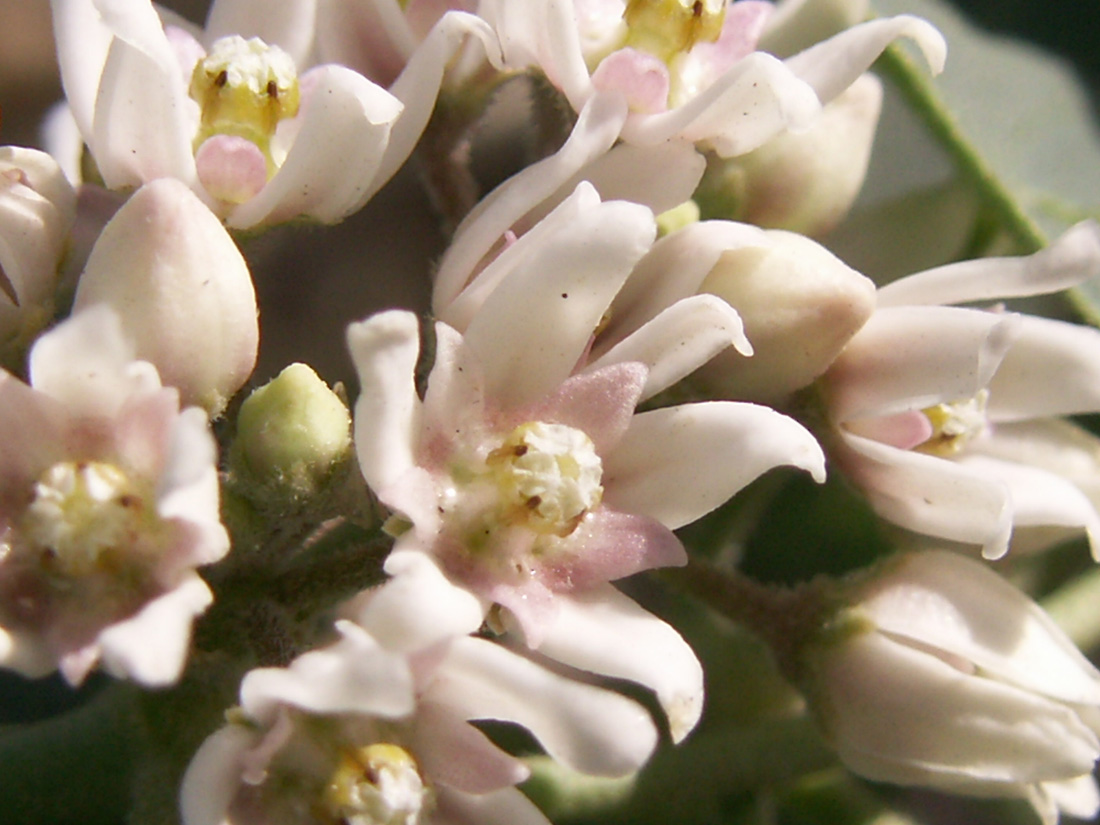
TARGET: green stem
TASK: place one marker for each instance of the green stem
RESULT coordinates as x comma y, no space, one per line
922,96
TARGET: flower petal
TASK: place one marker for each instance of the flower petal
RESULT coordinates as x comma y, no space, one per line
590,729
214,776
930,495
678,463
83,40
588,631
679,340
507,806
1071,259
385,348
355,675
595,132
332,166
151,646
833,65
455,753
907,358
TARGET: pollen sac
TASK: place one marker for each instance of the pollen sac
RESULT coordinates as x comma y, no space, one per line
955,424
245,87
667,28
548,476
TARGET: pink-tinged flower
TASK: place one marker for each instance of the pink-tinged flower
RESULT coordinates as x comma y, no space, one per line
224,109
936,672
181,289
948,418
690,70
108,503
527,477
37,210
361,733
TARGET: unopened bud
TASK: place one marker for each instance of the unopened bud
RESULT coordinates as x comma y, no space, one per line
292,433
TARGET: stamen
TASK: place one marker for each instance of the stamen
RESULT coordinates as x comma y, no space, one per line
955,424
667,28
376,785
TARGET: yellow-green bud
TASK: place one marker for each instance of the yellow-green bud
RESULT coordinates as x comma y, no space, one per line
292,432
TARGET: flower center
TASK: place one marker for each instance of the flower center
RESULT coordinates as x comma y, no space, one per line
955,424
245,87
666,28
84,517
548,476
376,785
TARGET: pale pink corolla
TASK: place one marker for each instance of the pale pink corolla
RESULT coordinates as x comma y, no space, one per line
108,503
361,732
127,77
724,95
37,211
948,418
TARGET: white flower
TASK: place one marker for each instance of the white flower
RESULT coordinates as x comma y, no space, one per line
181,289
363,734
941,674
690,70
943,414
37,210
108,502
524,472
221,113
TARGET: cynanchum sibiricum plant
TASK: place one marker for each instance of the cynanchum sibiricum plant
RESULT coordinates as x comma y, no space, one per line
601,525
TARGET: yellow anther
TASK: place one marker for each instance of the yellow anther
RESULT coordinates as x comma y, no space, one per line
667,28
955,424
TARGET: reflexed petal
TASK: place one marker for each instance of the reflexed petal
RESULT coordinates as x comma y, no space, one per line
457,754
590,729
214,776
595,132
83,40
385,348
332,166
752,102
151,646
144,120
609,545
1078,797
588,631
904,701
908,358
287,24
418,85
1052,368
1041,498
673,269
930,495
679,340
355,675
33,433
1071,259
833,65
533,328
948,602
678,463
454,403
419,606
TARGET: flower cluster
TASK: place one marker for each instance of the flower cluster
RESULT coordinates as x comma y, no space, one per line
391,609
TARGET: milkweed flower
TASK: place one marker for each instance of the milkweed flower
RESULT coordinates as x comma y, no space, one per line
108,503
223,110
37,211
358,732
690,70
937,672
524,472
949,419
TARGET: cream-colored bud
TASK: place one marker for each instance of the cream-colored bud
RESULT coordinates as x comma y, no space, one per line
181,289
800,305
804,181
292,432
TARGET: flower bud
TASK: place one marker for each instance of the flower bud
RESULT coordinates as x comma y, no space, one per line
37,209
937,672
804,181
292,432
800,304
182,290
